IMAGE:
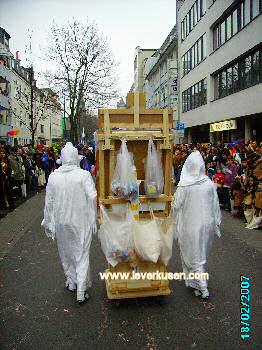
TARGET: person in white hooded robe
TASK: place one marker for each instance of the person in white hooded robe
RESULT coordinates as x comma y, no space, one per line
198,218
70,217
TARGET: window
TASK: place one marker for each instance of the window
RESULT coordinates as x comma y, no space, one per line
240,16
188,23
194,55
240,75
195,13
234,22
194,96
229,81
223,32
204,46
204,91
198,10
42,128
182,31
246,12
255,8
229,28
203,7
247,75
255,67
235,78
216,86
192,17
223,84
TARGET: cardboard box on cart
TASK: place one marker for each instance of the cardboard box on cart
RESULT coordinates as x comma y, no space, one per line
137,125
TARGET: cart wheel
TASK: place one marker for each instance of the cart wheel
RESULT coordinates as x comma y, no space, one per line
116,303
160,299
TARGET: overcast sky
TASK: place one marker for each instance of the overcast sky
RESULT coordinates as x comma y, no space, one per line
125,23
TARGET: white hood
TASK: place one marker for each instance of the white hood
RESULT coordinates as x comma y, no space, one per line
69,157
193,170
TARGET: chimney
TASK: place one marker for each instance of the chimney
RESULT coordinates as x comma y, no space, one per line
17,56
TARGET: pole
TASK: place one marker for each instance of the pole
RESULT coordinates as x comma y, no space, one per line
64,116
50,130
31,79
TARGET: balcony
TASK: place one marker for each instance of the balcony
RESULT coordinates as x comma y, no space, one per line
5,73
4,101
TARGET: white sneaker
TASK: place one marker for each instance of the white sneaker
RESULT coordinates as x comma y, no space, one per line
82,297
205,294
197,292
70,286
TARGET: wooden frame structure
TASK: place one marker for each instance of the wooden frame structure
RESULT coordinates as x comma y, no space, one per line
136,125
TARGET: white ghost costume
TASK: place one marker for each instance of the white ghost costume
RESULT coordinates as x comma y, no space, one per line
197,216
70,217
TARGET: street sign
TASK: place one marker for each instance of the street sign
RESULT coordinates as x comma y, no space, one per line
180,126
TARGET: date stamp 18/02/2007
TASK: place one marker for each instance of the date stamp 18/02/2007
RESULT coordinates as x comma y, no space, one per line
245,310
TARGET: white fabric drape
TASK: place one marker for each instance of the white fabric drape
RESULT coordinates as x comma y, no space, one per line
70,216
197,216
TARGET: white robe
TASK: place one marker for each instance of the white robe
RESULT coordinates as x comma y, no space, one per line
198,217
70,216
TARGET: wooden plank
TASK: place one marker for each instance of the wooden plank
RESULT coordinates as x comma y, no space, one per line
101,174
136,110
112,167
143,199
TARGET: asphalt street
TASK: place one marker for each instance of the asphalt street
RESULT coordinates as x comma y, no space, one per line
37,312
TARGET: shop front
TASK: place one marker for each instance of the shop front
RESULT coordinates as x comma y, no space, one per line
241,129
224,131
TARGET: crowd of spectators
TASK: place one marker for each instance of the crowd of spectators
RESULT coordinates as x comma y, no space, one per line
236,169
25,170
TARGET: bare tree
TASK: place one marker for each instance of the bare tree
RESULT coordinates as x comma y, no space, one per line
83,68
33,105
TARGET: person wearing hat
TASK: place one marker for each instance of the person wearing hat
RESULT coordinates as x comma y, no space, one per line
70,217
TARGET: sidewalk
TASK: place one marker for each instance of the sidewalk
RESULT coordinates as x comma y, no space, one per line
251,237
17,222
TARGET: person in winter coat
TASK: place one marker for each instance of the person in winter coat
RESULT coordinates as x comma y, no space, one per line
70,217
198,218
230,170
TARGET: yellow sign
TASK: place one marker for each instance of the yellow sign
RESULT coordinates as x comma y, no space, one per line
225,125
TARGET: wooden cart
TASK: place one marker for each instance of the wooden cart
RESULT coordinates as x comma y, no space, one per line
137,125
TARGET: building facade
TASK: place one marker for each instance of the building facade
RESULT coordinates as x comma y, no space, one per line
20,99
49,129
5,85
220,69
161,72
141,57
20,102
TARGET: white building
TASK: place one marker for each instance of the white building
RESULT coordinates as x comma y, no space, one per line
5,79
141,56
20,98
161,85
220,68
20,102
49,128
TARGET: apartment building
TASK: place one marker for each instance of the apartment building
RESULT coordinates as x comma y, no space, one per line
161,74
20,99
5,79
220,69
141,57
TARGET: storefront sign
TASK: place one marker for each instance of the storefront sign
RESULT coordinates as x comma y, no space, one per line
225,125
